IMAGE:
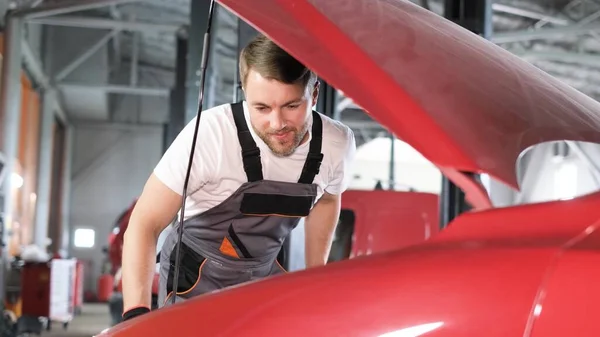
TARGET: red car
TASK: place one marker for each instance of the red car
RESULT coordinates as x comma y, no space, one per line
383,220
115,251
468,106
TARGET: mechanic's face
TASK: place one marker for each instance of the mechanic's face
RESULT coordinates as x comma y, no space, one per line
279,112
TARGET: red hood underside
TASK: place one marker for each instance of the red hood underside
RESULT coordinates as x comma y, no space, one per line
463,102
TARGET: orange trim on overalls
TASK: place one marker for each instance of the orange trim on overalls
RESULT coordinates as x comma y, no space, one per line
192,287
280,266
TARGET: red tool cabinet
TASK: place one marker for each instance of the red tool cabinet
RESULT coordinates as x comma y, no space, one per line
50,289
35,289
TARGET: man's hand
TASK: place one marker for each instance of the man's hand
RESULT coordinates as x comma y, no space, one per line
319,228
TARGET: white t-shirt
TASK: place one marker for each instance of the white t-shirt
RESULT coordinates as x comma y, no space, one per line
217,170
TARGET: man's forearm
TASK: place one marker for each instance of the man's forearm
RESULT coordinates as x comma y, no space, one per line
138,266
319,228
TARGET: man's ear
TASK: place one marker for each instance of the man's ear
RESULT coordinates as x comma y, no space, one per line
315,95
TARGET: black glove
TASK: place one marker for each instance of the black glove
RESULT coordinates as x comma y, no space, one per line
135,312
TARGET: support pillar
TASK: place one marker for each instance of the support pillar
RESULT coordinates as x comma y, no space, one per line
326,104
198,26
245,34
237,82
476,16
10,111
42,208
66,242
177,115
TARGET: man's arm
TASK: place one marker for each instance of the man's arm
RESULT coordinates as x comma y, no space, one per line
320,224
153,212
159,203
319,227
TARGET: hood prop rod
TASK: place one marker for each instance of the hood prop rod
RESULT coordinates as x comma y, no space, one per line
203,65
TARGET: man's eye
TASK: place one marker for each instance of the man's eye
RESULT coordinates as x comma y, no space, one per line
261,109
295,106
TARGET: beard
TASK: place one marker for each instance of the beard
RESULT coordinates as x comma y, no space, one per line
286,147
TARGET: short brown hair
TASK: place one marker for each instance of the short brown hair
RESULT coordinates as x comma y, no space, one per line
271,61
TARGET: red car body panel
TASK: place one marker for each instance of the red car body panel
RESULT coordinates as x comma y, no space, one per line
389,220
466,105
570,295
491,273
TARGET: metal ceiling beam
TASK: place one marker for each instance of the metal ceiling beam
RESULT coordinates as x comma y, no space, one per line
118,89
581,58
501,8
99,23
121,126
79,60
67,7
526,35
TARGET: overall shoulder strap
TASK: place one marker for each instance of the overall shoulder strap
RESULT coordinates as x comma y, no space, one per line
250,152
315,157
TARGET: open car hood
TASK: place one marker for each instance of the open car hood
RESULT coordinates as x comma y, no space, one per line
463,102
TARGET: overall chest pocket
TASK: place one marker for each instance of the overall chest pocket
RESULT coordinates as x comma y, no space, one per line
276,204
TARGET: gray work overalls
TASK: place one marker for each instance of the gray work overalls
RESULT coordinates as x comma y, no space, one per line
239,240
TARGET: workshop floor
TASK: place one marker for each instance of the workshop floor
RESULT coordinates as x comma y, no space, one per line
93,319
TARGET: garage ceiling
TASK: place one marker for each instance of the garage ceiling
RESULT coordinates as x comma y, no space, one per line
562,37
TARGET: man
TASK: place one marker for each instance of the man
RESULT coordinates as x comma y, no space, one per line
259,167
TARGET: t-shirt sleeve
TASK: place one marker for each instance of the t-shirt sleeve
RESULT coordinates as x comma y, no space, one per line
342,172
172,167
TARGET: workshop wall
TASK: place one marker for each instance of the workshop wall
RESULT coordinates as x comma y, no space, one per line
110,166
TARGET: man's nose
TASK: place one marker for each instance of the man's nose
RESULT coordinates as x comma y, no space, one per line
276,120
